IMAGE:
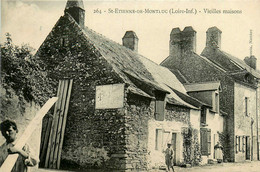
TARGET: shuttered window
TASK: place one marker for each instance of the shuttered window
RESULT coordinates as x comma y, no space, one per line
205,141
159,105
209,141
159,110
237,144
244,144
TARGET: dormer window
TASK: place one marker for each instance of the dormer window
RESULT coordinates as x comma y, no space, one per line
207,92
247,78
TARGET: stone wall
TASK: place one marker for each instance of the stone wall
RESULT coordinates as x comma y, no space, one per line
176,118
139,111
78,59
243,121
197,69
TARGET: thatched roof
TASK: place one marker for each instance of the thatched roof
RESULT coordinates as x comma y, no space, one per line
136,70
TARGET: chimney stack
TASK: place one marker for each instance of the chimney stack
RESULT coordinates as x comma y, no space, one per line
76,9
175,41
130,40
182,41
189,39
251,61
213,37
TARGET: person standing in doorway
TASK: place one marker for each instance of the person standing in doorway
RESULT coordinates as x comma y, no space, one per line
169,157
218,148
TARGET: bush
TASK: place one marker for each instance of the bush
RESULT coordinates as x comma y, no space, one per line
86,156
22,72
191,146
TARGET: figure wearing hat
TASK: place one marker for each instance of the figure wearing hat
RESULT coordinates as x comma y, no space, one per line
169,157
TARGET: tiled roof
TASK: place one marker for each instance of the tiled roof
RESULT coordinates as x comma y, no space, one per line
227,61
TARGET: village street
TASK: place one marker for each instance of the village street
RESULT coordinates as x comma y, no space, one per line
253,166
249,166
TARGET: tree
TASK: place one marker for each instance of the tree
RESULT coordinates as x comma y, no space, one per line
21,71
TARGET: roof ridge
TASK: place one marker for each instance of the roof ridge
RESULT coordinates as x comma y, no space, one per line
99,34
228,54
206,82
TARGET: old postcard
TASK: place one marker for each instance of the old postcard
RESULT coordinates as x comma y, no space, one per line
141,85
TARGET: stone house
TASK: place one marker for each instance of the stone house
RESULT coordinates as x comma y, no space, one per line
123,108
211,121
238,79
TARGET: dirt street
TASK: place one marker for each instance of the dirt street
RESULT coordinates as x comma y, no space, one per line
249,166
253,166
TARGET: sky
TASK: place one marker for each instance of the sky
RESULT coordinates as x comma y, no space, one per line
29,22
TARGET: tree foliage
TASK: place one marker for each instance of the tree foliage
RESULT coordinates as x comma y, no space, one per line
22,72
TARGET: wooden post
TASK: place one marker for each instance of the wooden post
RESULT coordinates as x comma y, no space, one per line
64,123
54,121
59,125
56,137
55,128
11,159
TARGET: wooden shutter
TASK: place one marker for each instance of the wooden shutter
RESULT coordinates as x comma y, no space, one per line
209,141
159,105
244,144
159,110
204,141
237,144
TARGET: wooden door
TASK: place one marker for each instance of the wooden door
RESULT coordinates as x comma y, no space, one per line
247,148
174,142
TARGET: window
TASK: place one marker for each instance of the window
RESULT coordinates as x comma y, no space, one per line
244,144
205,136
203,116
237,144
215,101
159,110
246,106
158,139
241,144
159,106
209,141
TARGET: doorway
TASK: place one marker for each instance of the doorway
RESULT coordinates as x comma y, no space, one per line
174,142
247,148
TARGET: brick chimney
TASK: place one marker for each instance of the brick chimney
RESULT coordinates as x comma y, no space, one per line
130,40
213,37
251,61
182,41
